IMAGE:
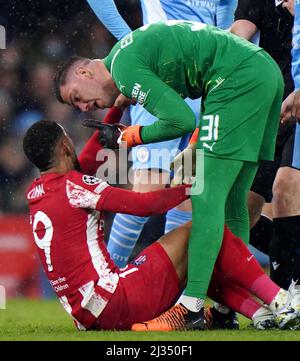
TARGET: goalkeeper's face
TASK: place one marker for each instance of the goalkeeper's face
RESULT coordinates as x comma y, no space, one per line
88,89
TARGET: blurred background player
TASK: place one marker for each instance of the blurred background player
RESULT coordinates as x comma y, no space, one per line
276,181
152,161
91,288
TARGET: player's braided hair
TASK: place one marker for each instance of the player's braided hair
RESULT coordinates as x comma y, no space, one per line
61,74
39,143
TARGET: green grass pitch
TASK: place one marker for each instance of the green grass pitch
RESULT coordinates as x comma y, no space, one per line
46,320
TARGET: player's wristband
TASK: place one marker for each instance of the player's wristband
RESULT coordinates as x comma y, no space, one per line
132,135
113,116
194,137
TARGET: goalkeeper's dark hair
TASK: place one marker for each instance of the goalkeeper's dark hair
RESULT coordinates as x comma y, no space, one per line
62,72
40,141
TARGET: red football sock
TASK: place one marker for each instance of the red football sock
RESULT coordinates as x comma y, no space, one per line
224,291
236,262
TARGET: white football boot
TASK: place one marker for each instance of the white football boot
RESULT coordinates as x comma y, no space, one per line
264,319
288,317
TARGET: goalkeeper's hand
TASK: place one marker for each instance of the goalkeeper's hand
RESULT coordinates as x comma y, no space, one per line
184,164
113,135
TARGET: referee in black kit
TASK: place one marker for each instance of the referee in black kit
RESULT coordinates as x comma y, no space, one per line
275,181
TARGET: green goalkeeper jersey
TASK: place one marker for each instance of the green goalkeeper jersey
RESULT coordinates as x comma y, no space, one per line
159,65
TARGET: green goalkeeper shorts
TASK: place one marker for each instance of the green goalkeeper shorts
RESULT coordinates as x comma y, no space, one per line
241,113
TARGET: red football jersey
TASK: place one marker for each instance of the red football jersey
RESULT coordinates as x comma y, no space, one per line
65,214
69,235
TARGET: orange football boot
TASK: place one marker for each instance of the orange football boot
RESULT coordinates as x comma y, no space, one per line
177,318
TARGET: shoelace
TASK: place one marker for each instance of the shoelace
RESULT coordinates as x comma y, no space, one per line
119,140
173,317
208,316
294,290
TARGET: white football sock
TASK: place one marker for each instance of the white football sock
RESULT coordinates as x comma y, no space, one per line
193,304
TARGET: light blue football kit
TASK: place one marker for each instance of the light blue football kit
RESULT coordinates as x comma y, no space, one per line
296,77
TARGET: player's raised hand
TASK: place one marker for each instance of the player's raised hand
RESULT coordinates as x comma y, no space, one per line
296,106
114,135
110,135
290,108
286,108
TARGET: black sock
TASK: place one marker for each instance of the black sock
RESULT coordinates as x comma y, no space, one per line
282,250
261,234
296,274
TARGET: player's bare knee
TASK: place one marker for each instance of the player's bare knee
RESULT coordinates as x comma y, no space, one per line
286,188
175,242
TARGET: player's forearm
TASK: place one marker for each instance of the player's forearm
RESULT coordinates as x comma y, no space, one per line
166,130
174,121
88,156
108,14
244,28
144,204
159,202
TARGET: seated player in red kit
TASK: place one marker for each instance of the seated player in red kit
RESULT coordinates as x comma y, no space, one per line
66,213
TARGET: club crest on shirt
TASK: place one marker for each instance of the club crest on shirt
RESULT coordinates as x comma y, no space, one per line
90,180
140,260
142,154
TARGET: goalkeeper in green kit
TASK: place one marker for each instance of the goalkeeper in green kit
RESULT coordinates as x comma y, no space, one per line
241,87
